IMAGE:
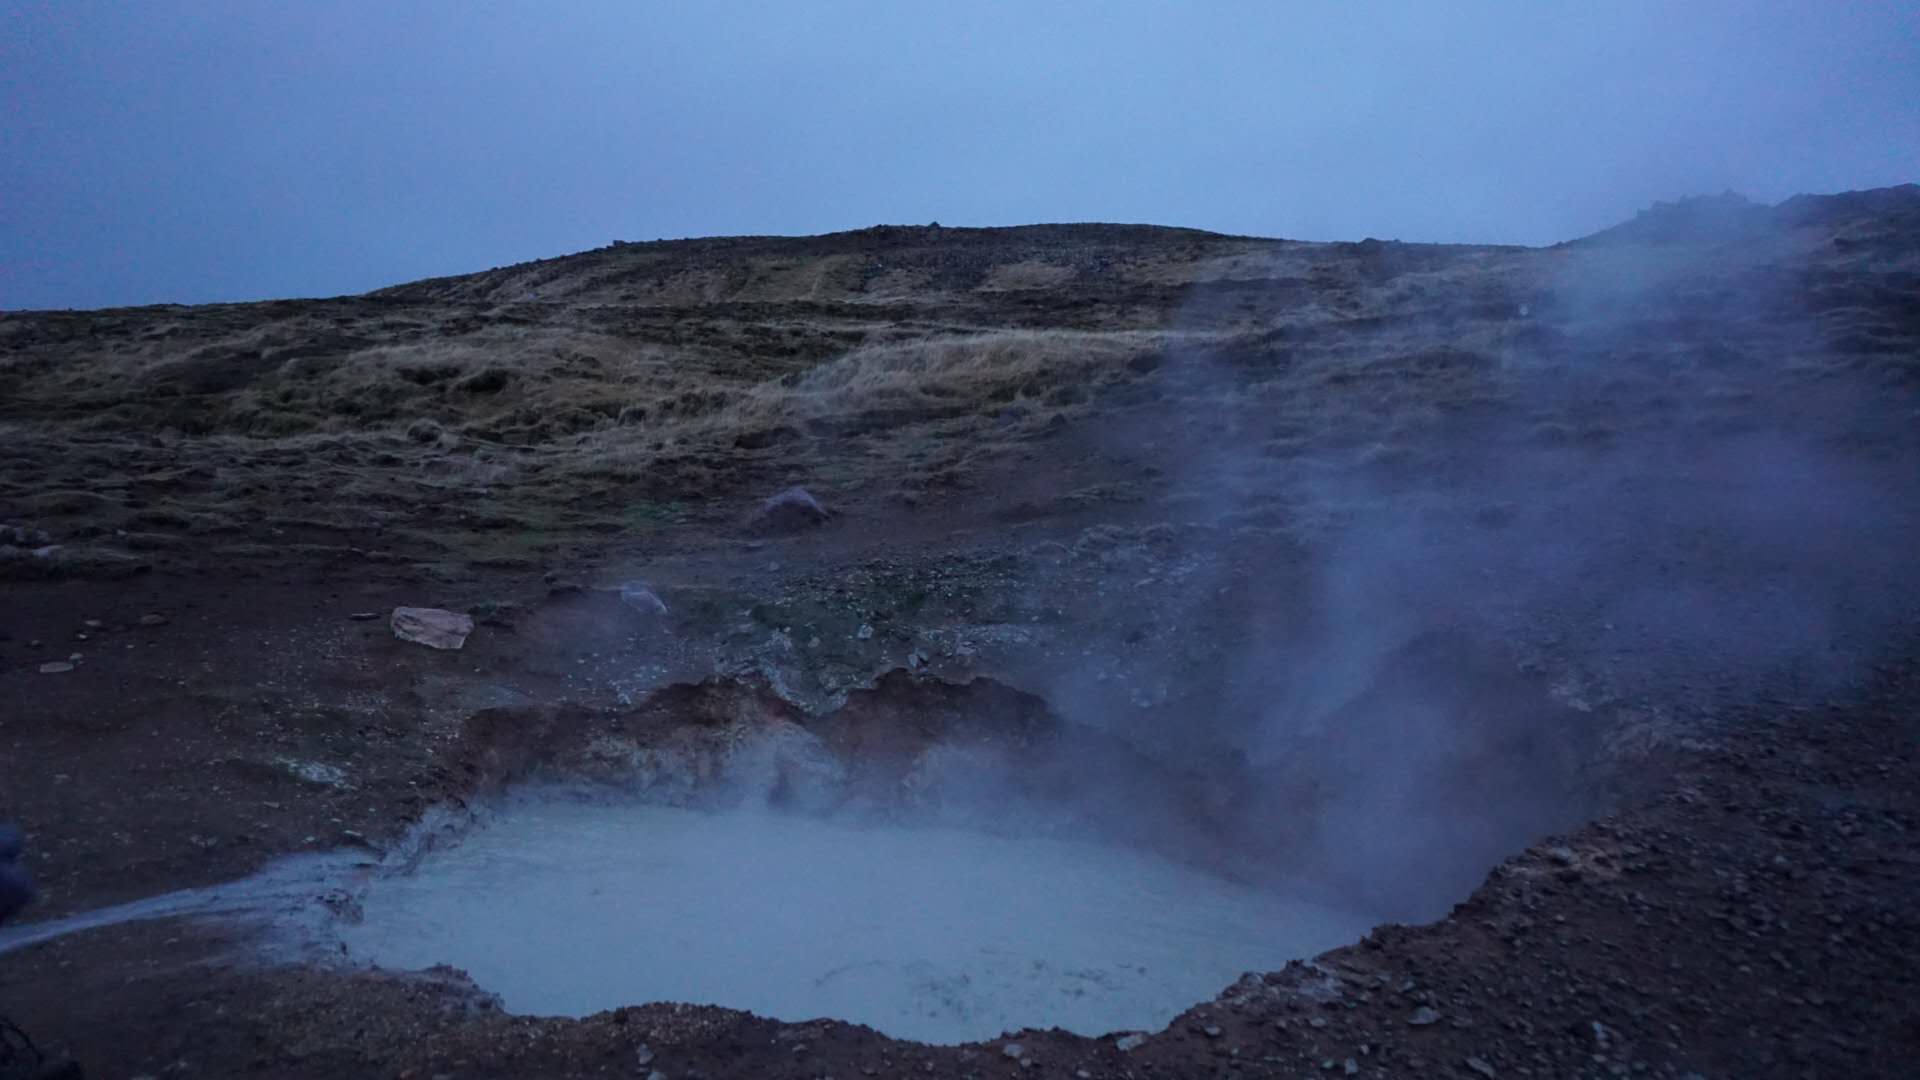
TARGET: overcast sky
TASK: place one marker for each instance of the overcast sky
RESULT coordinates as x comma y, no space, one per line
189,152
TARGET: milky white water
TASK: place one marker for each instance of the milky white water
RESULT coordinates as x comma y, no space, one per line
934,934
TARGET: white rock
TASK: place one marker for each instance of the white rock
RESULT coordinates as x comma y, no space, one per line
433,627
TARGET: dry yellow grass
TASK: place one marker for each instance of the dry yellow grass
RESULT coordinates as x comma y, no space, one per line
973,371
643,383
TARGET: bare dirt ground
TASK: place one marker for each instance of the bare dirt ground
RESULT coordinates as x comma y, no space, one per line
1633,513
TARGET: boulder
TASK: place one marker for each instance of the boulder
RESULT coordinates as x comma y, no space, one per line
790,511
433,627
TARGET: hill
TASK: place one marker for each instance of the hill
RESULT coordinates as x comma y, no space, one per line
622,388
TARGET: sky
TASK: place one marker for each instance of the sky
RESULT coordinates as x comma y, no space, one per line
164,152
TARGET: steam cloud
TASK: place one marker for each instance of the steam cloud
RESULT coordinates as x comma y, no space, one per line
1542,502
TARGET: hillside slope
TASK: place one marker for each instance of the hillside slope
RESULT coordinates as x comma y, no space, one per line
639,384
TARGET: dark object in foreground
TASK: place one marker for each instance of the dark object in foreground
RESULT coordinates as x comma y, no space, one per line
16,886
19,1057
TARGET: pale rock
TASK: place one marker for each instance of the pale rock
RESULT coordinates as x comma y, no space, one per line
435,628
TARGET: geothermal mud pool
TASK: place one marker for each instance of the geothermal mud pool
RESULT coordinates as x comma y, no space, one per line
929,933
940,862
567,905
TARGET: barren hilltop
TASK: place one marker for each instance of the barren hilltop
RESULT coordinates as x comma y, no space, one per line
1554,606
